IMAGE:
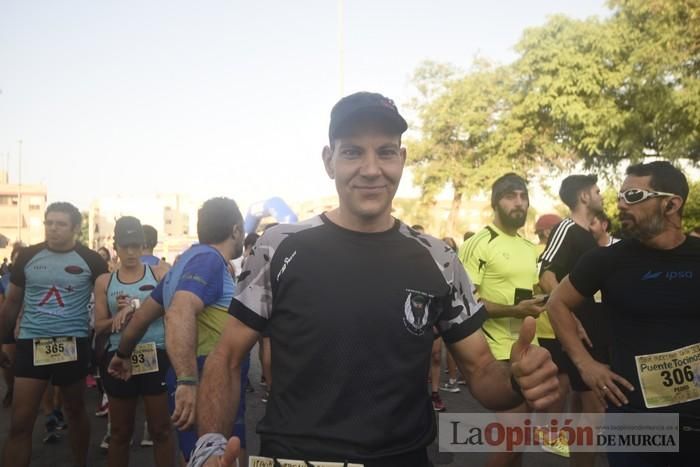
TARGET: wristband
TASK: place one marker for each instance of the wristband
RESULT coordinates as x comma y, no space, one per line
121,355
210,444
187,381
516,387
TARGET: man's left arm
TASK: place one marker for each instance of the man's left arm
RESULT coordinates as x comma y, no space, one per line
600,379
531,367
200,285
181,344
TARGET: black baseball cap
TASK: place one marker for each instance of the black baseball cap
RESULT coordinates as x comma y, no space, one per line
128,231
354,107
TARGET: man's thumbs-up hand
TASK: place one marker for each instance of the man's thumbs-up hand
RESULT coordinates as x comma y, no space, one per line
533,369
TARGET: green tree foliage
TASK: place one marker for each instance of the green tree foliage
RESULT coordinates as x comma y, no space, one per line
458,122
660,46
564,101
691,211
597,92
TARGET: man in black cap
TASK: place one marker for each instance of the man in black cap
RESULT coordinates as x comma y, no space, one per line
335,295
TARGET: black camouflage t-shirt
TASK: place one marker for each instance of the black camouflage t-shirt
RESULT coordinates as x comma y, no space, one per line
350,316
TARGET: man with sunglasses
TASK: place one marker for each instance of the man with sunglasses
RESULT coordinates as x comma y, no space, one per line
53,280
650,282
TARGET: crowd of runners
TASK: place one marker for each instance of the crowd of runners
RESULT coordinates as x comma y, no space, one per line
353,311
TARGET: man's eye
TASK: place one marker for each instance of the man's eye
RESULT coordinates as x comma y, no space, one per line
350,153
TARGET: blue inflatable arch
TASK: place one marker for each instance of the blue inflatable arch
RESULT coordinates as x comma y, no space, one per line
273,207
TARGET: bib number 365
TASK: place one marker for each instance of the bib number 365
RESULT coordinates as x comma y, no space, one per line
53,350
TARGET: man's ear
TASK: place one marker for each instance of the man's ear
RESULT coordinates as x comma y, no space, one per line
584,197
236,232
327,157
672,206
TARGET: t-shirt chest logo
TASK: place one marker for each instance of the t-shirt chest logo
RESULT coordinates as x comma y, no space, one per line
54,293
417,312
73,269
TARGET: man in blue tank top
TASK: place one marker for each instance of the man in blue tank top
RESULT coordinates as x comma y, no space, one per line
195,295
53,280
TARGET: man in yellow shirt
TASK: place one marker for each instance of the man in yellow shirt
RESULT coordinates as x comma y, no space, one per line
503,268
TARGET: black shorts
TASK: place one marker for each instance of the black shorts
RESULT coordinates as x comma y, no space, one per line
60,374
148,384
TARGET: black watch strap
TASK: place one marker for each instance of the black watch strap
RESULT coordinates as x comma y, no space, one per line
516,387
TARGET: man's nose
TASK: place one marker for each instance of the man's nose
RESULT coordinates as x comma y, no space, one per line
370,165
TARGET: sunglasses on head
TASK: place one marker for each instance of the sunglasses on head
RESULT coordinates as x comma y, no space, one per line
637,195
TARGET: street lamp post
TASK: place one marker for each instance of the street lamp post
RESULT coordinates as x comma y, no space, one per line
19,192
341,49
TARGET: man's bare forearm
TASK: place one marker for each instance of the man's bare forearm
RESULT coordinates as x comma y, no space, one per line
496,310
181,341
138,325
565,328
548,282
565,299
8,317
492,388
219,393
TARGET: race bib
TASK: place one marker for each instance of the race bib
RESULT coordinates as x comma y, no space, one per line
144,359
53,350
670,378
259,461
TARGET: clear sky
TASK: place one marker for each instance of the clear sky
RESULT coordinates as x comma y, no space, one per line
214,97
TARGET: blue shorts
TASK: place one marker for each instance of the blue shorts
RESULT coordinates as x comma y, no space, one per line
187,439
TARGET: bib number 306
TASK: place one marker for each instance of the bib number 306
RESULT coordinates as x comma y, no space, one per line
670,378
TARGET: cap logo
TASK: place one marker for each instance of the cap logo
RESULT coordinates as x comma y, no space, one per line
386,102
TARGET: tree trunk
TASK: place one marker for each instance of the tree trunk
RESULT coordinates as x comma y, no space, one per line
453,216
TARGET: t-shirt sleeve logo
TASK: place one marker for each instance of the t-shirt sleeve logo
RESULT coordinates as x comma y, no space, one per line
416,312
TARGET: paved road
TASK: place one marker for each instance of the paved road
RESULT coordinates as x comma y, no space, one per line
58,455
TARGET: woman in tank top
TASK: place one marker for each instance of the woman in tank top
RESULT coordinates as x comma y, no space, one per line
117,297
